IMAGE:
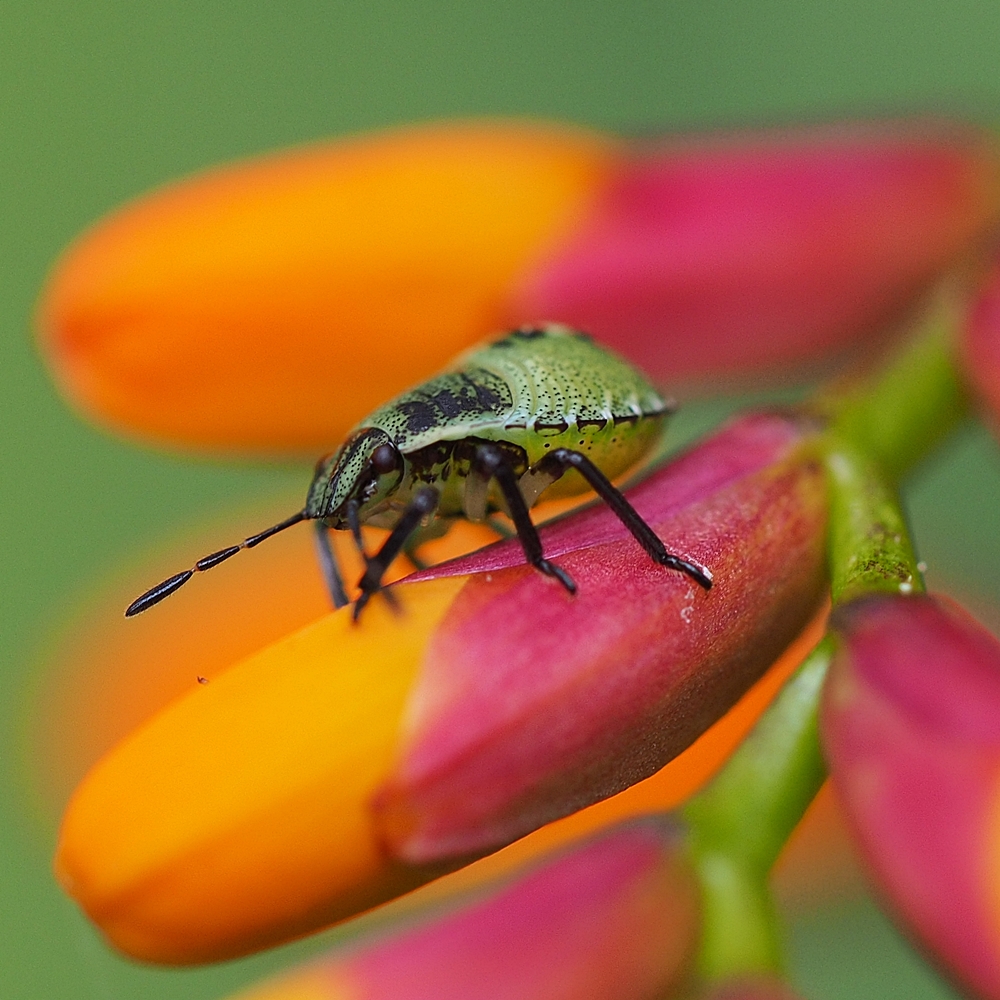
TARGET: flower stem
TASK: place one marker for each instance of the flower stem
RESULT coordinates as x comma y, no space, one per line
738,825
917,399
869,545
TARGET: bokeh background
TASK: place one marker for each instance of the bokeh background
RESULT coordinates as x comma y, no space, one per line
100,101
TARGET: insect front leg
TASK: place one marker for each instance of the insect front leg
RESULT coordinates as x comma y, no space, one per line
328,566
494,464
562,459
420,507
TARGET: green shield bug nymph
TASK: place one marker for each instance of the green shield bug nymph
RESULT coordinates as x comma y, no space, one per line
542,410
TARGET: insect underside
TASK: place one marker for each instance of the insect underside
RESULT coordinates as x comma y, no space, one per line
540,411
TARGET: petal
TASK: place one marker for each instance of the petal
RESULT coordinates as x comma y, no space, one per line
615,917
911,726
273,303
757,988
531,704
706,256
981,345
211,830
240,815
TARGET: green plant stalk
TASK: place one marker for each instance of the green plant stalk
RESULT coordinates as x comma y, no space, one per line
738,825
918,398
869,548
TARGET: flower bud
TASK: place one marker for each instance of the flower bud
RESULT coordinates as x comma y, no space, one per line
758,251
911,727
612,918
236,309
331,770
532,704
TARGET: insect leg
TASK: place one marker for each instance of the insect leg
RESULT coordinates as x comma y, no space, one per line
420,506
564,458
491,459
328,566
354,523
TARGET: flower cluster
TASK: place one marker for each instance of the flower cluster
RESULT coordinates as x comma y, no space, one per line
268,306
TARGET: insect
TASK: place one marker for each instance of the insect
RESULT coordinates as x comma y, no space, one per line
541,410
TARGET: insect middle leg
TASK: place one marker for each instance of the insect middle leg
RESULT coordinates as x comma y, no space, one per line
492,463
553,465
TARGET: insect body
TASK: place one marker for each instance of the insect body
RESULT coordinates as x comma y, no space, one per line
542,410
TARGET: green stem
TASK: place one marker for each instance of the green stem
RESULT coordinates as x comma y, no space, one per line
738,825
869,545
896,418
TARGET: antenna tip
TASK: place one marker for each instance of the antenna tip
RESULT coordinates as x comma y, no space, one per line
158,593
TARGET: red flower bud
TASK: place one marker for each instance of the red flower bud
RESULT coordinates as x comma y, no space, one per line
613,919
705,257
911,725
532,704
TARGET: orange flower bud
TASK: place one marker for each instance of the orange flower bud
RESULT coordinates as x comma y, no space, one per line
272,304
243,813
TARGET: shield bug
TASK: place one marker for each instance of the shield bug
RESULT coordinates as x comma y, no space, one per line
543,410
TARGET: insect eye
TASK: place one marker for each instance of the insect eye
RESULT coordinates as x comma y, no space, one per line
385,459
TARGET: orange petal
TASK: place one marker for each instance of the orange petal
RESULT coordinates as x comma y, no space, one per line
110,674
273,303
239,817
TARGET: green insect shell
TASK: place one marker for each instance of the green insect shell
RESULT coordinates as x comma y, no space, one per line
475,440
531,392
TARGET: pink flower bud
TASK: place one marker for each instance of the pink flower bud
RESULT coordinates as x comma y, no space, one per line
982,344
613,919
532,704
911,725
710,257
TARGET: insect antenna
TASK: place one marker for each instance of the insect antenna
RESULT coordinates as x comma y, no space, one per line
162,590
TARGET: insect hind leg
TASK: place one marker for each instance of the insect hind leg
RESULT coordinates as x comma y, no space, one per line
494,464
563,459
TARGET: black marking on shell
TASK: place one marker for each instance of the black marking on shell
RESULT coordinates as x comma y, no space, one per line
485,396
420,415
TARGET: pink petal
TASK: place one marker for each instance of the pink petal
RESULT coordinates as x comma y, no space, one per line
532,704
757,251
614,919
911,726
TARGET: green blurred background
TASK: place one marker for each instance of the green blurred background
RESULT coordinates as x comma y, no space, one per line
101,100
